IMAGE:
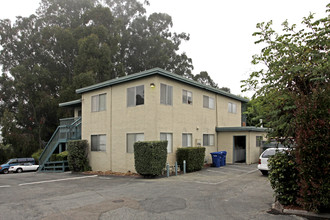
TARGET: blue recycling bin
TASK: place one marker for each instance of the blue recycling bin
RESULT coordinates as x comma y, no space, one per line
216,159
223,158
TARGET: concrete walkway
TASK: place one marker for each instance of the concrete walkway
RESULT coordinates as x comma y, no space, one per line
230,192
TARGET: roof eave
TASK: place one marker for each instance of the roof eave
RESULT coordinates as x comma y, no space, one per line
73,103
242,129
161,72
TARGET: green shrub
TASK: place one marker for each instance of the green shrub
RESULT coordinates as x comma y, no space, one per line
53,157
150,157
36,155
283,177
77,156
194,157
62,156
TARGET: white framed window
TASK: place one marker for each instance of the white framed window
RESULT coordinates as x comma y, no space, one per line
99,102
232,107
166,94
169,138
187,97
98,142
208,139
186,140
259,141
131,139
208,102
135,96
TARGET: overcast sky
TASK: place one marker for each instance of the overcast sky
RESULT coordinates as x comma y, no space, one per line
221,41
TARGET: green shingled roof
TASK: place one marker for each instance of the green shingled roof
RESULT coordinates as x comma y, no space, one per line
71,103
237,129
161,72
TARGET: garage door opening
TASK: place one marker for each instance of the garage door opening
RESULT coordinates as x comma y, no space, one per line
239,149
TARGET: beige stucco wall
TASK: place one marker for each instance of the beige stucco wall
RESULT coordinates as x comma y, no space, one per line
225,118
152,118
96,123
226,143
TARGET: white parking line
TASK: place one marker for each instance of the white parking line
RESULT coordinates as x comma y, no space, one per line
58,180
4,186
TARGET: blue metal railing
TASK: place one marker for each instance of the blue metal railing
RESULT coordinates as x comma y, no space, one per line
62,134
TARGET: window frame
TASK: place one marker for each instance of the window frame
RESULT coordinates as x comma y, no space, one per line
135,140
208,140
168,99
186,139
232,107
185,97
259,140
99,147
98,107
134,92
169,143
208,104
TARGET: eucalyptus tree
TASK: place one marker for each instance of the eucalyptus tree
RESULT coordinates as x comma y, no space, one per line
68,44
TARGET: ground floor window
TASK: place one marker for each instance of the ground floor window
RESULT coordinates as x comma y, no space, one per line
186,140
99,142
167,137
259,141
208,139
131,139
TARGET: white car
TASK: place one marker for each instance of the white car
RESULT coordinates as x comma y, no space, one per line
23,167
263,159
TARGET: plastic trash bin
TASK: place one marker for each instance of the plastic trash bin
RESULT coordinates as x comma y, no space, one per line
223,158
216,159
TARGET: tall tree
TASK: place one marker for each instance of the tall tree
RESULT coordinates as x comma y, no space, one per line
294,90
69,44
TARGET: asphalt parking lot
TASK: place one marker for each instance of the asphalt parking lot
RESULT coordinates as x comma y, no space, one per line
231,192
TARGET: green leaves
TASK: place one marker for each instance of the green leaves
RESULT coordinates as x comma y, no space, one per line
70,44
292,96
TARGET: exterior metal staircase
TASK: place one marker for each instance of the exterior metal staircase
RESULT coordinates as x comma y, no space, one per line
69,129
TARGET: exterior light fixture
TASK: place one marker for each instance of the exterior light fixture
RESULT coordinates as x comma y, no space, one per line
152,85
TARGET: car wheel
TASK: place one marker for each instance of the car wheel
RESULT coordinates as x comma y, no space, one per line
19,170
5,171
264,172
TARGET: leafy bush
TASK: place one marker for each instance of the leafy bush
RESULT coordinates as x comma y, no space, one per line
194,157
283,176
150,157
77,155
62,156
312,149
36,155
6,152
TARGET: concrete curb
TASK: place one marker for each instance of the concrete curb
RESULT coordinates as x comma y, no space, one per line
279,208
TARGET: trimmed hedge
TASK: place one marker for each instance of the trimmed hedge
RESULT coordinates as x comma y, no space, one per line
194,157
150,157
77,156
59,157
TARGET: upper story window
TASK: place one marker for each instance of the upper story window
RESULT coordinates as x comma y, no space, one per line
186,140
131,139
135,96
187,97
99,103
208,139
232,108
166,94
208,102
167,137
98,142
